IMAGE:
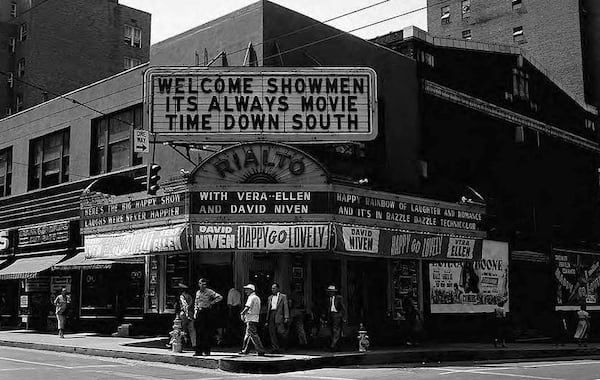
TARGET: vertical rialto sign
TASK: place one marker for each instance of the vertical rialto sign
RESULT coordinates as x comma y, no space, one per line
249,103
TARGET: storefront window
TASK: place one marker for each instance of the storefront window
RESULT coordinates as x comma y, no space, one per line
96,297
404,286
176,273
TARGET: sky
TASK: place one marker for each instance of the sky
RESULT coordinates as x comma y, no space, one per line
176,16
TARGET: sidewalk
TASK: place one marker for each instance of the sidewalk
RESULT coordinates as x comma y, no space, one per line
153,349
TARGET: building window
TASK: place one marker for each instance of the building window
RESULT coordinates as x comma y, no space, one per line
45,96
426,58
12,44
8,111
49,160
5,172
518,35
590,125
465,7
129,62
133,36
517,4
21,67
445,14
23,32
19,103
466,34
13,9
10,80
112,145
520,84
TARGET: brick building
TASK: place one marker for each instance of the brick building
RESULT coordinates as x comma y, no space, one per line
561,35
40,47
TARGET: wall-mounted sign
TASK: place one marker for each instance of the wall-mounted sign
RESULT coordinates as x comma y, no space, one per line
44,234
471,286
246,104
138,242
402,209
260,237
404,244
127,211
577,280
260,163
4,240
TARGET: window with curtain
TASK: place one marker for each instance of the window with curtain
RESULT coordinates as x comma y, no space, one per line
49,160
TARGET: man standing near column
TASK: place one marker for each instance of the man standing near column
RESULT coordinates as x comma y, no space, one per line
278,315
250,316
337,316
205,298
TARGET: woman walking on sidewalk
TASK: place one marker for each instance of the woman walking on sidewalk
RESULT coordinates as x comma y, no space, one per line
61,307
583,326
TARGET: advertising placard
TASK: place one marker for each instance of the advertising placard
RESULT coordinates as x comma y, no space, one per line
577,280
471,286
44,234
261,237
403,244
248,103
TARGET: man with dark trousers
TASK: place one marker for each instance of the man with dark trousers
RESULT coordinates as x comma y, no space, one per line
278,316
337,316
205,299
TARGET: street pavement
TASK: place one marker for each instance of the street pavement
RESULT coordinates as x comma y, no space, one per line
18,363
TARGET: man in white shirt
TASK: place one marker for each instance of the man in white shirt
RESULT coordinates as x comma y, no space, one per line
251,314
278,315
337,316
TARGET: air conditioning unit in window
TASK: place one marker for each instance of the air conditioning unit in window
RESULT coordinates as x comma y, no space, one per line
10,80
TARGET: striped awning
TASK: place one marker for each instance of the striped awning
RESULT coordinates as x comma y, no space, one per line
29,267
79,261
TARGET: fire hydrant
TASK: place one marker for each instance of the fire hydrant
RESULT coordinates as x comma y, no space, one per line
177,336
363,339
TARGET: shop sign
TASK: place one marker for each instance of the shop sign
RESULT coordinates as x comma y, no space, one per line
261,162
44,234
577,280
130,212
137,242
24,301
246,104
59,282
403,244
4,240
471,286
265,237
360,239
259,202
399,209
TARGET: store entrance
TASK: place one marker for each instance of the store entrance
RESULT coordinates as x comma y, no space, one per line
325,272
367,292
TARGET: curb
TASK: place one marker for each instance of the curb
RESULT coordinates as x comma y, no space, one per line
275,365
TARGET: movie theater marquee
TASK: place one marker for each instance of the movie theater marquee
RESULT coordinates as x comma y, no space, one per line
246,104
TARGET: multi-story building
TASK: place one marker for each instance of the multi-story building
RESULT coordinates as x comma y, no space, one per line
50,47
561,35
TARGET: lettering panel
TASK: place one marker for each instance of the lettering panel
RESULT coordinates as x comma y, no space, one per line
44,234
333,104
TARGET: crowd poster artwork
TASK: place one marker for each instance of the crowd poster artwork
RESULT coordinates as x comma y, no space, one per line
577,279
474,286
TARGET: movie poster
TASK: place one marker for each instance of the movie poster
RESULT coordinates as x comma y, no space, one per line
577,278
471,286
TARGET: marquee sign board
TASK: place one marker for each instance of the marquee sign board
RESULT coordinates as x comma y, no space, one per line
250,103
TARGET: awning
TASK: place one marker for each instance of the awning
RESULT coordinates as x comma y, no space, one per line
29,267
79,261
145,241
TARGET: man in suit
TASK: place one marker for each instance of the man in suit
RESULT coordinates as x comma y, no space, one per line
278,316
337,316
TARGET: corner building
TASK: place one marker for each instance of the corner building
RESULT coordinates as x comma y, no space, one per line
365,215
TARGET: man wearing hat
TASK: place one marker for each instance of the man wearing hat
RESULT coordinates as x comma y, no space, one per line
250,314
337,316
186,313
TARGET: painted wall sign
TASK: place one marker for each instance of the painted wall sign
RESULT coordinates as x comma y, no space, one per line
261,237
129,212
403,244
471,286
241,104
577,280
259,202
138,242
260,163
395,208
44,234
